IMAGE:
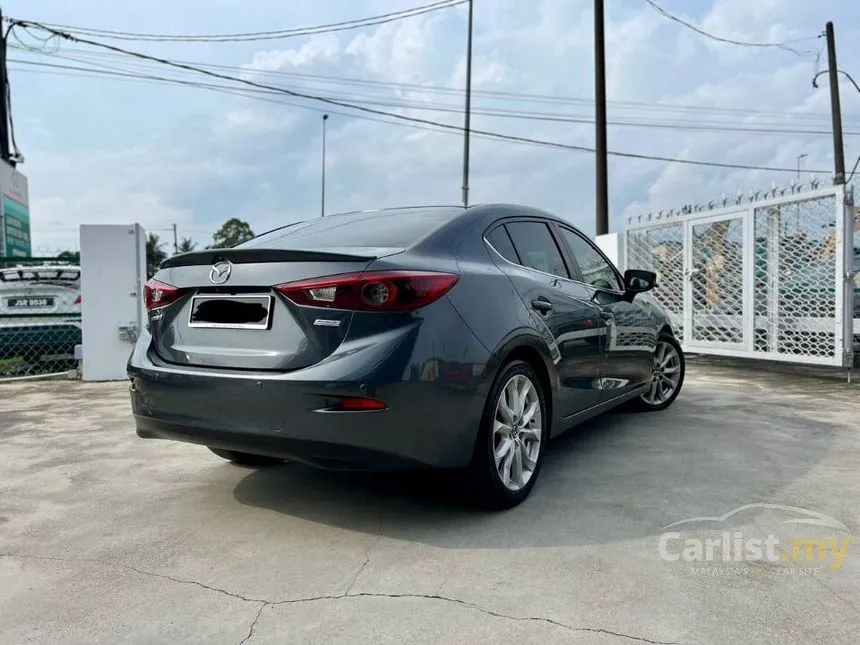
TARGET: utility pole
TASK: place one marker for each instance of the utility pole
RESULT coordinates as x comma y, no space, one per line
799,157
600,162
835,108
175,241
322,196
5,151
468,118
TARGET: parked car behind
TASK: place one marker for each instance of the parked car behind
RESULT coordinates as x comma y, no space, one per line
421,337
40,316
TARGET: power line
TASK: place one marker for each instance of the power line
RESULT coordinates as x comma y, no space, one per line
432,107
781,45
500,95
278,34
401,117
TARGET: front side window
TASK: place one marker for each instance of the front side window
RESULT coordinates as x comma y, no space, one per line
595,270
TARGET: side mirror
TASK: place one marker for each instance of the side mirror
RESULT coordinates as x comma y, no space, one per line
637,281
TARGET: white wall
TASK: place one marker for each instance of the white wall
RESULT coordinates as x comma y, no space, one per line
610,244
113,272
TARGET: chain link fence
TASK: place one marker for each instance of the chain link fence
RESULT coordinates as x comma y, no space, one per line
40,316
771,276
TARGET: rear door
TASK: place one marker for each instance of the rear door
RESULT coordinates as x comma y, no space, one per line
631,333
540,274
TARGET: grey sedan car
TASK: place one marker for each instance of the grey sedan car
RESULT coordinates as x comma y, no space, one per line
429,337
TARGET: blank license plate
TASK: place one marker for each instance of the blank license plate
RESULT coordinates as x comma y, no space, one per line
29,303
231,312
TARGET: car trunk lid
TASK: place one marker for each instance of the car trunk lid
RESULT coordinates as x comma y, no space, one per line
226,313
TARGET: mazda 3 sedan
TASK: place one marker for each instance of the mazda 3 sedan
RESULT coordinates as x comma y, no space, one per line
425,337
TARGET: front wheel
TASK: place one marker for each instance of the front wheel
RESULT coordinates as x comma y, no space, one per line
513,434
246,459
667,376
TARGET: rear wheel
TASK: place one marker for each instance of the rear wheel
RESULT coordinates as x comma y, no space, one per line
512,438
245,459
667,376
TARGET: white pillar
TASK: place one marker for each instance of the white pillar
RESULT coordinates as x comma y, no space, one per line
113,272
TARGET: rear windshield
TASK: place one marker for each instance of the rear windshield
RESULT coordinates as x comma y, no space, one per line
391,228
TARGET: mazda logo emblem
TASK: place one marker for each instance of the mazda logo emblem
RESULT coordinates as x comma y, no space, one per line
220,272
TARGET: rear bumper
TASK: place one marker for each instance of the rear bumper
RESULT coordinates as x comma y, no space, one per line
433,414
328,455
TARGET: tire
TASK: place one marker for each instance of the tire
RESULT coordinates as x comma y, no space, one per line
245,459
526,446
649,401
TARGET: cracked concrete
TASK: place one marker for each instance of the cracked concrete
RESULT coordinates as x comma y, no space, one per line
264,604
106,538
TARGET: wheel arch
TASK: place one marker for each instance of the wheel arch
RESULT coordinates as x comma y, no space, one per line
532,349
666,330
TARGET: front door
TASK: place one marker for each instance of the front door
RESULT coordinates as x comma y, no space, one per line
631,327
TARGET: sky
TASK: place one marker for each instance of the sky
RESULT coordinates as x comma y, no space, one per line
103,149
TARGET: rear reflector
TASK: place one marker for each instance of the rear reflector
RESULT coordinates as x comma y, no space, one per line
386,291
358,404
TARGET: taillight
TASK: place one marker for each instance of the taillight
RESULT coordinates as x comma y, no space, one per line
371,291
78,300
158,294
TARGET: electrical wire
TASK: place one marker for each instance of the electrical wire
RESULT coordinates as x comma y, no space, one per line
433,107
82,54
781,45
838,71
401,117
278,34
853,170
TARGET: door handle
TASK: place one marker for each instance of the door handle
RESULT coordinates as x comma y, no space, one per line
541,305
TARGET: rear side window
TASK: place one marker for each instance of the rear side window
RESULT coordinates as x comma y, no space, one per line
537,248
501,241
393,228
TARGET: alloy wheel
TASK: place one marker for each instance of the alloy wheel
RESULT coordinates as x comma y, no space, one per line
665,374
517,432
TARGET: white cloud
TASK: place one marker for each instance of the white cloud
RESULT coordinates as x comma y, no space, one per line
56,226
323,47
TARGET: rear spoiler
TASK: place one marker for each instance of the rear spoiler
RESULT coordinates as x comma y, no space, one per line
249,256
40,274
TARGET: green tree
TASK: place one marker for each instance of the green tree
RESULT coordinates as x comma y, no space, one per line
233,232
155,254
186,245
71,257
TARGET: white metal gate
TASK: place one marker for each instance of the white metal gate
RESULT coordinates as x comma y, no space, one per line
771,276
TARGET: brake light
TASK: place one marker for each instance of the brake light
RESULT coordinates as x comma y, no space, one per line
386,291
78,300
159,294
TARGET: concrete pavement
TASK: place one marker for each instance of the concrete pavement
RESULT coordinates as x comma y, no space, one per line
107,538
